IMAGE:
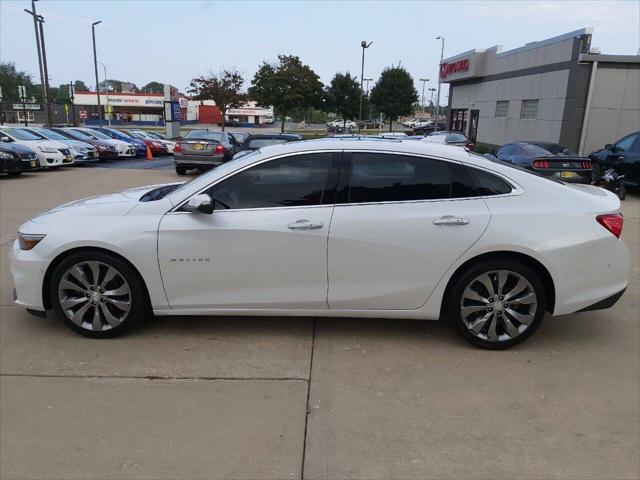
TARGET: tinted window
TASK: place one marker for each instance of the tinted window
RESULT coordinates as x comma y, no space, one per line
22,134
377,177
488,184
297,180
461,184
508,150
455,137
264,142
204,135
624,144
554,148
51,135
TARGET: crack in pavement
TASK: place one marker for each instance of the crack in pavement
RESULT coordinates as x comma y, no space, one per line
151,377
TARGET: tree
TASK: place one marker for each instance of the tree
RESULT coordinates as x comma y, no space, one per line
10,79
343,96
153,87
286,85
80,86
394,94
223,88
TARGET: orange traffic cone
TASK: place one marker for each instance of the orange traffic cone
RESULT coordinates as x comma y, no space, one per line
149,154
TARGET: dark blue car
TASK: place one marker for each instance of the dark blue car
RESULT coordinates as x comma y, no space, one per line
139,146
15,159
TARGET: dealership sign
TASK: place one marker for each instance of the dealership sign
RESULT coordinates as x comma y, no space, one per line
26,106
458,66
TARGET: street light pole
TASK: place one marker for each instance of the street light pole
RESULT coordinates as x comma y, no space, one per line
364,46
46,71
424,81
95,65
106,89
45,96
72,96
431,101
441,38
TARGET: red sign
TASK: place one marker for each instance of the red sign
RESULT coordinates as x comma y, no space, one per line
447,69
83,114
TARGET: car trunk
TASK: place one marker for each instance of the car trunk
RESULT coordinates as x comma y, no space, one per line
198,147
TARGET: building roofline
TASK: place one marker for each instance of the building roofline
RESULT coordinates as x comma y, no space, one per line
592,57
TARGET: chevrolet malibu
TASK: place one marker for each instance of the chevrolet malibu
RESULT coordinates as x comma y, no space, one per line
343,228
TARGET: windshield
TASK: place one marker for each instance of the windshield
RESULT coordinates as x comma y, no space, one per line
22,134
205,135
49,134
264,142
456,137
95,134
75,134
117,134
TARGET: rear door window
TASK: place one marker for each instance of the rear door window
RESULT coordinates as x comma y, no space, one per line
487,183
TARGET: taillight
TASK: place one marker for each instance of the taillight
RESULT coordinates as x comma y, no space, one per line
541,164
612,222
177,148
219,149
586,164
470,146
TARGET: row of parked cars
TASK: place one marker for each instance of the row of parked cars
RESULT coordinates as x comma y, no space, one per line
32,148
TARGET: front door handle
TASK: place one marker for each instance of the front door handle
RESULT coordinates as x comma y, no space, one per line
451,220
305,225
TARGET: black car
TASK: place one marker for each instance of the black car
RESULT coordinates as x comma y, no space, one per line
239,136
371,123
428,129
254,142
623,156
203,150
548,159
15,159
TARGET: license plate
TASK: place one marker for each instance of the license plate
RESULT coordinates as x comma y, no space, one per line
567,174
198,146
33,163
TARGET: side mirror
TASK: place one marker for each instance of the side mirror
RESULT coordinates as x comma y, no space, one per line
201,203
6,139
608,146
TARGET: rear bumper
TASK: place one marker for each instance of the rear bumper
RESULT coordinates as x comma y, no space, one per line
198,161
605,303
578,176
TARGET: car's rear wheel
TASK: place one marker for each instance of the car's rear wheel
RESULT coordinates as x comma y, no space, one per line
497,304
97,294
181,170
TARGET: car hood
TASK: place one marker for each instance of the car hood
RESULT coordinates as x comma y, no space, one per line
117,143
114,204
16,147
78,143
44,143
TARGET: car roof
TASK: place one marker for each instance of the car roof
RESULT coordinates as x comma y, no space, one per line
274,135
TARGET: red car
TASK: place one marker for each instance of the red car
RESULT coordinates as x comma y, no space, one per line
156,148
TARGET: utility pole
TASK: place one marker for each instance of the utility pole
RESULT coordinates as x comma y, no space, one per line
22,93
364,46
45,97
95,65
72,96
46,71
441,38
424,81
1,114
431,101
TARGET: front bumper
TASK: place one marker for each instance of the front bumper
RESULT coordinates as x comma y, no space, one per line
27,270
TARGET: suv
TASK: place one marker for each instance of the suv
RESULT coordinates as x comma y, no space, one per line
623,157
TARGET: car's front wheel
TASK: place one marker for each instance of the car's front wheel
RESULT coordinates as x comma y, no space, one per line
181,170
497,304
97,294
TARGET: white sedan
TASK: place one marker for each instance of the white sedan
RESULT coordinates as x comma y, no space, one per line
416,122
124,149
335,227
339,123
51,154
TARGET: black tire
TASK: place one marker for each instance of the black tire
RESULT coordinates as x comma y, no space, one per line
181,170
139,304
453,302
622,192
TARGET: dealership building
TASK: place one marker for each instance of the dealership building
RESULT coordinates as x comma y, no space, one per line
557,90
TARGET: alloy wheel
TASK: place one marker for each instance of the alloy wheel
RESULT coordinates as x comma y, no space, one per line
498,305
94,296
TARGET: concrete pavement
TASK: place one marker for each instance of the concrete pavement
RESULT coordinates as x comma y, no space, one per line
321,398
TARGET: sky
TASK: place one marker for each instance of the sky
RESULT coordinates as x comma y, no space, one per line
172,41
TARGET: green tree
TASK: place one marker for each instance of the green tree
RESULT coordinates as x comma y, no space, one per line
10,79
286,85
80,86
153,87
225,89
343,96
394,94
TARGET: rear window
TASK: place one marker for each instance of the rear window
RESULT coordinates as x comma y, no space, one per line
455,137
204,135
487,183
264,142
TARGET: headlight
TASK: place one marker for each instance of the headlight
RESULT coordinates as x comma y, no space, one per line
7,155
157,144
48,150
28,241
100,148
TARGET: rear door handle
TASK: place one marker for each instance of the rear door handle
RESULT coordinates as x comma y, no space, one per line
305,225
450,220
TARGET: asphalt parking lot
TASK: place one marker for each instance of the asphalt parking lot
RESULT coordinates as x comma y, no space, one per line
279,398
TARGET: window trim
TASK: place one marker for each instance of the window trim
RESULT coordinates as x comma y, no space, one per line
522,108
506,113
334,168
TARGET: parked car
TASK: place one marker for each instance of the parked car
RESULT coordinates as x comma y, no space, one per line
82,152
157,138
139,146
256,141
340,125
240,137
16,158
428,129
623,156
125,149
455,139
332,228
393,135
51,154
548,159
106,151
417,122
371,123
203,150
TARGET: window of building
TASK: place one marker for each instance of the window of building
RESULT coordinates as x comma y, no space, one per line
529,109
297,180
502,108
459,120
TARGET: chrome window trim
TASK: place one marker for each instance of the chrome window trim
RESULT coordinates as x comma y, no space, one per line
516,189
